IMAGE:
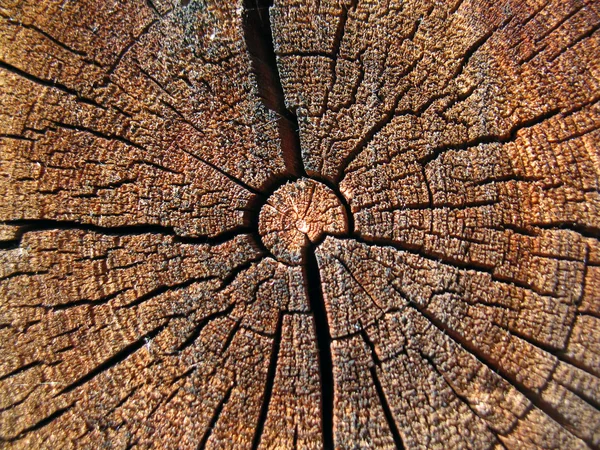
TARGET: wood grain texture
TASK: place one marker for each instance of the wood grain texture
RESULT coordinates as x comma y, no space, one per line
300,224
298,214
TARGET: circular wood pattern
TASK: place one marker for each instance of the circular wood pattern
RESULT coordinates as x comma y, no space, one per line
300,224
297,214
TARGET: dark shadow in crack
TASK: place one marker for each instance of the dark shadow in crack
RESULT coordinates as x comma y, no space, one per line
259,42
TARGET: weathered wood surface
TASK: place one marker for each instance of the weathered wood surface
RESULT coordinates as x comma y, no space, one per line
328,223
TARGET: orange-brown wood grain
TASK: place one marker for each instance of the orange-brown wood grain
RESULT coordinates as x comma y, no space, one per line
299,224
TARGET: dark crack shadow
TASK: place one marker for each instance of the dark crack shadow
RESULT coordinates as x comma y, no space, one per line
259,42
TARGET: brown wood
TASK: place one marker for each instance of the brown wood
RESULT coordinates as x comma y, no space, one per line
317,224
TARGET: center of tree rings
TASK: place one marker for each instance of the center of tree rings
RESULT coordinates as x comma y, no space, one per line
297,214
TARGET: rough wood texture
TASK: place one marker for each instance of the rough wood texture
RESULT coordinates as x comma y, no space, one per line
298,214
312,224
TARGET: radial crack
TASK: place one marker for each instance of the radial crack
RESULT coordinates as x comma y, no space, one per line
36,225
387,411
259,42
264,410
317,305
117,358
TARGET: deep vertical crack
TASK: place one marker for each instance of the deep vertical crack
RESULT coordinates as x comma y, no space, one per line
264,410
317,305
387,410
259,42
215,417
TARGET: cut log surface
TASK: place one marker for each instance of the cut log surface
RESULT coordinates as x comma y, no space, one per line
308,224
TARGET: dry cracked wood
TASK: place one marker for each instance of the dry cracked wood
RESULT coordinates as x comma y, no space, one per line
311,224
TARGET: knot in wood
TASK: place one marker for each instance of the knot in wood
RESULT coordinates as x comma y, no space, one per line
297,214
